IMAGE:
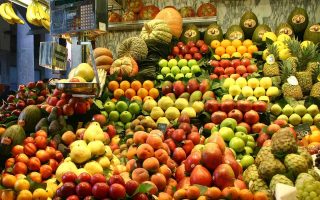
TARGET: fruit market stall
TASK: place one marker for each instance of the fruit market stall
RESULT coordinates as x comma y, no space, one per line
182,111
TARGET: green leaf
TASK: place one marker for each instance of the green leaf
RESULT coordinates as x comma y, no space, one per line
203,189
35,185
143,188
99,104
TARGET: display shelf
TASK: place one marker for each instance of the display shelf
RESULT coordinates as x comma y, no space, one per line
121,26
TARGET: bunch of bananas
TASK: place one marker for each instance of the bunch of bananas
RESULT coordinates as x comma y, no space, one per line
38,15
8,14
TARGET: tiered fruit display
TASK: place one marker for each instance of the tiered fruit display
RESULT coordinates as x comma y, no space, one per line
34,93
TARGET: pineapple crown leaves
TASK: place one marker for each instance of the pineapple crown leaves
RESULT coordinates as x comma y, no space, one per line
316,73
286,70
273,49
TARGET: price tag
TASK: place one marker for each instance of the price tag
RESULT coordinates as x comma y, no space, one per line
270,59
162,127
292,80
302,130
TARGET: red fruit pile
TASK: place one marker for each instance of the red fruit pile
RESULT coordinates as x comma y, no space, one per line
232,68
191,50
33,93
242,111
66,104
34,157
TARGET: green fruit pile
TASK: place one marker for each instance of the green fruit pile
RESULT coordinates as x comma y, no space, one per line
178,69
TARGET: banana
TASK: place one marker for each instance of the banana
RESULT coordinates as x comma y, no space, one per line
41,11
9,10
3,13
33,16
46,24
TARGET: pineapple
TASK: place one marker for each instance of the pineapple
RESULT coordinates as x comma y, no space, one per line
315,91
293,61
293,91
271,70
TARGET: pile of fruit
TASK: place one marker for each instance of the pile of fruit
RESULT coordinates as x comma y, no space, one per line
206,117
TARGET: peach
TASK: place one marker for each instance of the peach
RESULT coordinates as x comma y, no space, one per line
169,190
213,193
132,151
131,165
159,180
154,189
140,137
166,171
166,148
157,132
151,164
164,196
68,137
155,141
140,175
180,194
193,192
161,155
171,164
145,151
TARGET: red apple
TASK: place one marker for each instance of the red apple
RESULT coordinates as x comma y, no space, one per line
223,176
236,114
227,106
218,117
192,86
116,179
199,43
83,189
235,63
229,71
187,146
200,175
252,68
188,56
218,139
241,69
175,51
131,187
167,87
245,61
179,155
80,107
186,127
117,191
204,86
184,49
100,190
215,63
194,137
244,105
260,106
184,118
197,56
225,63
234,164
192,160
193,50
97,178
218,71
178,88
204,49
251,117
211,156
211,106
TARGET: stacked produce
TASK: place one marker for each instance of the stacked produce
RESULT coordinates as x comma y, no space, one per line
9,15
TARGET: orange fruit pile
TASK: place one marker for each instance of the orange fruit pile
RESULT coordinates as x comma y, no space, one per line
233,49
134,90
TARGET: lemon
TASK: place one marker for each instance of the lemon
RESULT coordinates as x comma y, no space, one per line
236,55
283,37
271,35
217,57
225,56
284,54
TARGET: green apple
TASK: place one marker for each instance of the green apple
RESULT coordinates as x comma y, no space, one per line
125,117
251,144
248,150
109,106
175,70
192,62
241,129
228,82
242,136
246,161
134,108
313,110
273,91
172,62
300,110
229,122
160,77
253,82
188,75
237,144
165,70
182,62
121,106
250,138
276,109
179,76
170,75
226,133
185,69
259,91
247,91
235,90
241,82
195,69
114,116
163,63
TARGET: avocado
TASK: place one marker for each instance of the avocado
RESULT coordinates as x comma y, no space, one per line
190,33
62,121
299,20
235,32
312,33
284,28
41,124
53,115
258,33
213,32
249,23
54,127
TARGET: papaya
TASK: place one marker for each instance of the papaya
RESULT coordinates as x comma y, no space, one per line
249,23
258,33
213,32
298,20
190,33
284,28
234,32
13,135
312,33
29,117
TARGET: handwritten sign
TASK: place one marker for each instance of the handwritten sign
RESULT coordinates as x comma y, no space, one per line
302,130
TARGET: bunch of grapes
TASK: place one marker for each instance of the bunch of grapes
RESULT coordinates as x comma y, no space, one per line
310,189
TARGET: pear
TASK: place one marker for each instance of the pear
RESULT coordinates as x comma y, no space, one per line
165,102
276,109
156,113
96,147
181,103
313,110
295,119
300,110
76,143
94,132
66,166
104,162
185,95
316,119
189,111
284,117
195,96
80,154
287,110
172,113
198,106
163,120
149,104
307,119
93,167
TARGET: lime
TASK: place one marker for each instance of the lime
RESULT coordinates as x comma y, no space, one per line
134,108
114,116
125,117
121,106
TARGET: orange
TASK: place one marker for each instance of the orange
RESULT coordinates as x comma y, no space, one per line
113,85
142,93
245,194
215,43
9,180
148,85
242,49
252,49
21,184
40,194
260,196
230,50
36,177
129,93
314,137
236,43
118,93
225,43
24,195
154,93
136,98
124,85
2,130
247,43
220,51
247,55
8,195
136,85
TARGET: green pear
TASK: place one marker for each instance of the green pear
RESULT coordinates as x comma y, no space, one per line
313,110
185,95
195,96
287,110
307,119
284,117
276,109
295,119
300,110
316,119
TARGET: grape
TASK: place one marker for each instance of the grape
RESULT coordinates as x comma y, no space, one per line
313,194
305,194
316,198
308,188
